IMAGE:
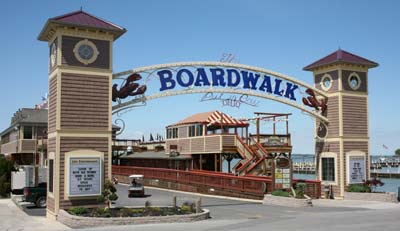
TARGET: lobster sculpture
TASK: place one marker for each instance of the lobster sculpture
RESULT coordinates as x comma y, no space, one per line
130,88
312,101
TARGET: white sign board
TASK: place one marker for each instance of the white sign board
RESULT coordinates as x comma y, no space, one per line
84,176
356,169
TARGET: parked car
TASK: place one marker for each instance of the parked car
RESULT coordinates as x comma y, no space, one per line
36,195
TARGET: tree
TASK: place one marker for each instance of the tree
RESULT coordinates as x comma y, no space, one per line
109,193
397,152
6,166
151,138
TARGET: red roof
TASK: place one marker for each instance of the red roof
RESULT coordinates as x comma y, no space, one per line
341,56
83,19
213,118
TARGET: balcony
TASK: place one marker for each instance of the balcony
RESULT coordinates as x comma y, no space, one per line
275,143
19,146
203,144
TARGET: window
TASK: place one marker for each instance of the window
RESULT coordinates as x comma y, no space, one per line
326,82
172,133
354,81
196,130
328,169
27,132
51,172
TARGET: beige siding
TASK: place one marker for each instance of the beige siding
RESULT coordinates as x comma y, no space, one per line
333,117
68,144
52,104
213,143
183,132
84,106
228,141
355,116
197,144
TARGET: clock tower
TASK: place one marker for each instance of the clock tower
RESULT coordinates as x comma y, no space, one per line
342,146
79,124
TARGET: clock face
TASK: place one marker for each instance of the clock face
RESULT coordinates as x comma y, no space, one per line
53,54
85,51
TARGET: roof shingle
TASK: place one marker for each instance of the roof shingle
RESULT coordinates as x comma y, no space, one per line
340,56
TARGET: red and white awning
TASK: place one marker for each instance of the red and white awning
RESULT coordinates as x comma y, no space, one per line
219,118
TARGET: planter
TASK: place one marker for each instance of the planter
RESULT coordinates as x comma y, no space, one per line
287,201
382,197
82,222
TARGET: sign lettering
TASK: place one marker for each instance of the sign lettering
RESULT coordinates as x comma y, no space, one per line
84,176
232,78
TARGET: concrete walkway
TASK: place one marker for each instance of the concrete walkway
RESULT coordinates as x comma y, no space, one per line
13,218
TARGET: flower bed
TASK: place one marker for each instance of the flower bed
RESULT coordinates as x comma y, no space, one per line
127,216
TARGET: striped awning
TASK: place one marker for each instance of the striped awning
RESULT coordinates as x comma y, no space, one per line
219,118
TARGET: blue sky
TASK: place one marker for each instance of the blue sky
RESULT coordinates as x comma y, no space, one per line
282,36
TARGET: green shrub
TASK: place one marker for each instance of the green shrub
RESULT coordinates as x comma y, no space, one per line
280,193
108,195
77,211
191,205
100,212
185,209
300,188
358,188
125,212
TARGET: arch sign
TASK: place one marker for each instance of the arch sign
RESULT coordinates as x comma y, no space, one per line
152,82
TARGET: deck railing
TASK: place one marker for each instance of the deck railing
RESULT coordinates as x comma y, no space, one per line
247,184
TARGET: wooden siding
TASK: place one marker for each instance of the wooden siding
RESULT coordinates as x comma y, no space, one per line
228,141
68,144
335,81
85,102
27,146
68,56
363,78
355,116
197,145
50,204
52,105
213,143
333,116
10,147
183,132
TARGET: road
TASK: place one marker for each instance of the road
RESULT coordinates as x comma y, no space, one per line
231,214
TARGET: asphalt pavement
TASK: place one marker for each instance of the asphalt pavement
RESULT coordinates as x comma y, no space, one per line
230,214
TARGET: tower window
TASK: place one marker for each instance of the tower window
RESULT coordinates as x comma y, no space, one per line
354,81
326,82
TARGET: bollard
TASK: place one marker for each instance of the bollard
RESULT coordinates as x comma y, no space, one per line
398,193
198,206
174,201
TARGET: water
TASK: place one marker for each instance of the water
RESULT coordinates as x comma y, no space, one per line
391,185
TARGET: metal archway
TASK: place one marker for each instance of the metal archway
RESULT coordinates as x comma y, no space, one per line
151,70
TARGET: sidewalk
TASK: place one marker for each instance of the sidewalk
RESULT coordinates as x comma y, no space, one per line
13,218
354,204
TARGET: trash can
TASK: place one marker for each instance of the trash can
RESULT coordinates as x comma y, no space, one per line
327,191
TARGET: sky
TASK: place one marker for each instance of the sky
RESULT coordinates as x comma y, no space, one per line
283,36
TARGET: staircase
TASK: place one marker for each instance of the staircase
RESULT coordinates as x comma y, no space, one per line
254,158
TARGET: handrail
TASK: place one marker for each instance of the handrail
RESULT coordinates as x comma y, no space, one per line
260,146
255,164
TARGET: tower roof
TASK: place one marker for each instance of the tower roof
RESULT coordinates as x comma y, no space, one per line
341,56
82,19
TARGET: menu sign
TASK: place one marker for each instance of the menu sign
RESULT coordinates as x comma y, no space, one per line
84,176
356,169
282,173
